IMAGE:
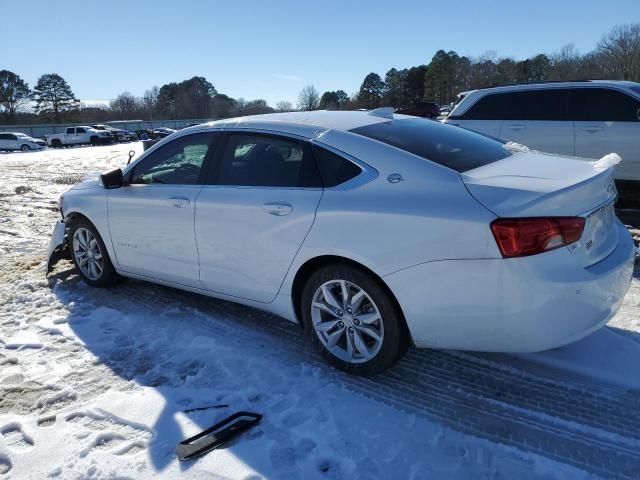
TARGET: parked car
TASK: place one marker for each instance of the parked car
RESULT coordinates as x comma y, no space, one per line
163,132
446,109
586,119
374,231
421,109
10,141
130,136
118,134
79,136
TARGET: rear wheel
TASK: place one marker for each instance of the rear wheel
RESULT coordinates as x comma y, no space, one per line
90,255
25,148
56,143
352,320
95,141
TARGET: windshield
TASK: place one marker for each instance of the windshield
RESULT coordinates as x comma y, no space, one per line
453,147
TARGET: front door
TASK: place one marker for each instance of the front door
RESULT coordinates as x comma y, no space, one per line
254,213
151,221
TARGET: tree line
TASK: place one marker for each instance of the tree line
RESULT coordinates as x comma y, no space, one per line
616,56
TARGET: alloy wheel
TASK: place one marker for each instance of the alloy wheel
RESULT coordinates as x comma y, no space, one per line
347,321
87,254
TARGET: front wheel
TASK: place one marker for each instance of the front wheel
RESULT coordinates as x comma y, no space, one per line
25,148
352,320
90,255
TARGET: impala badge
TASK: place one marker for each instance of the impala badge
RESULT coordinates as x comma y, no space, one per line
395,178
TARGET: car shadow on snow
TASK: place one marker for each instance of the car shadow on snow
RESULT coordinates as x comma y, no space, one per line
196,351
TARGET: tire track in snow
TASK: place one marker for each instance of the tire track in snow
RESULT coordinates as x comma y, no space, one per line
572,419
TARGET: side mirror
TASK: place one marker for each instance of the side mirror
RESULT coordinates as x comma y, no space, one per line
112,179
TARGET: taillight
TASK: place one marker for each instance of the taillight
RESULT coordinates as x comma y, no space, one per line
519,237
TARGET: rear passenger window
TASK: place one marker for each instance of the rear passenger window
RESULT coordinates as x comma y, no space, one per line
498,106
334,169
547,104
602,104
267,161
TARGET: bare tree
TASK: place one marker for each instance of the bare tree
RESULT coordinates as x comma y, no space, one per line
150,101
566,63
284,106
620,52
126,105
308,98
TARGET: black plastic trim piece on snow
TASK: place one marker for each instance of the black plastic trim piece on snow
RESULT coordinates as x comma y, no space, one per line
217,435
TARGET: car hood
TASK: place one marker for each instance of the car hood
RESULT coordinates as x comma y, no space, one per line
91,181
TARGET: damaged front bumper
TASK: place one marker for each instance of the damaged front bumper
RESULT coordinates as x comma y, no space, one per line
58,248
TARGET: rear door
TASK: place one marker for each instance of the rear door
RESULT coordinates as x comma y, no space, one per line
151,221
539,121
607,120
69,136
254,213
9,141
5,141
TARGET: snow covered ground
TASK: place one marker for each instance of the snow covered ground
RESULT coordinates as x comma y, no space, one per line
102,383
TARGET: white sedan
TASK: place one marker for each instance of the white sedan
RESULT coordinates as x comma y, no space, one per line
19,141
372,230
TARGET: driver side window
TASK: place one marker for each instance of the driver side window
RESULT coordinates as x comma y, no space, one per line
177,163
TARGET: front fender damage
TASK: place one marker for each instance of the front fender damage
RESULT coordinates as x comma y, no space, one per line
58,246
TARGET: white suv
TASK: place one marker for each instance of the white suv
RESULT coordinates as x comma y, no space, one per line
584,118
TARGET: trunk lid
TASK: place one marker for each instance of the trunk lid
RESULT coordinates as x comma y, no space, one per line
535,184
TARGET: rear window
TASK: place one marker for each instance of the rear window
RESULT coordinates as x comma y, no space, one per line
453,147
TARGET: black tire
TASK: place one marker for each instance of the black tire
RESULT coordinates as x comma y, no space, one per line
108,276
25,148
395,339
55,143
95,141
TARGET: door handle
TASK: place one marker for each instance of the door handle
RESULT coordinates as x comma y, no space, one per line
515,127
179,201
278,208
591,129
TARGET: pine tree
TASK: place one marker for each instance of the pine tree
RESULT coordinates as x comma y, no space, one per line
54,97
14,92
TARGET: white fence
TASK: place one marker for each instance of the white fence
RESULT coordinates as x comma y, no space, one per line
41,130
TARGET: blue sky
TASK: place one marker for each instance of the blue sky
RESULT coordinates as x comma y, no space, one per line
271,49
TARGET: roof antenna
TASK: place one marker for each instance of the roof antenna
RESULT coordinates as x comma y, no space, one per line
384,112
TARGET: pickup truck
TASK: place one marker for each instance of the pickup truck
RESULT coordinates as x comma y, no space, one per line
79,136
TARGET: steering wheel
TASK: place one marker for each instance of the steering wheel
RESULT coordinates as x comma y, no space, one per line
188,170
